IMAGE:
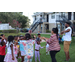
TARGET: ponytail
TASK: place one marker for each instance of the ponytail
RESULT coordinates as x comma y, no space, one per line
55,30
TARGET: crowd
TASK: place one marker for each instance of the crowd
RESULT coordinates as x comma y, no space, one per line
11,49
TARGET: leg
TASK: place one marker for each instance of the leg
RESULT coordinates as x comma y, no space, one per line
46,50
35,56
66,49
67,55
38,56
53,53
22,58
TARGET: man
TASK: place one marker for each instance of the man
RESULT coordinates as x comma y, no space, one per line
67,39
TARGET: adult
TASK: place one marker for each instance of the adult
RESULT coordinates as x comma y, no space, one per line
53,42
67,39
40,18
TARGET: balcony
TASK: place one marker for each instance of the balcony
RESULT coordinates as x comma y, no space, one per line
61,18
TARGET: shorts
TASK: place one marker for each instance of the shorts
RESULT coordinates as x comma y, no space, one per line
22,53
66,45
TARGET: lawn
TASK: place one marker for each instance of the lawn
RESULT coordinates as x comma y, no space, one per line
60,56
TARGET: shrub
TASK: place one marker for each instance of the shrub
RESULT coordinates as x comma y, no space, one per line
9,31
48,31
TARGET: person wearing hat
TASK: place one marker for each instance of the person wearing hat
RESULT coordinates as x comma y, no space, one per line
67,39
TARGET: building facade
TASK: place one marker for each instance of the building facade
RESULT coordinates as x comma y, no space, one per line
43,21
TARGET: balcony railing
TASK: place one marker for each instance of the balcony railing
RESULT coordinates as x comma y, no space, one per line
61,17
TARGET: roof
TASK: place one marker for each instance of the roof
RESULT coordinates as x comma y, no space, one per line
40,13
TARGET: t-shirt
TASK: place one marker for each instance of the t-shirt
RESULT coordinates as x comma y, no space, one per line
21,45
37,46
2,50
67,36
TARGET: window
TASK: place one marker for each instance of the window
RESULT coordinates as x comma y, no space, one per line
52,16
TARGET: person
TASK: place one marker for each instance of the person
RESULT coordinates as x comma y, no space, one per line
10,56
37,48
39,37
67,39
16,49
40,18
28,58
5,39
30,31
53,42
2,49
21,52
47,47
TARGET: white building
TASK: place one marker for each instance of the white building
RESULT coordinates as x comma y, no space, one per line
5,26
50,20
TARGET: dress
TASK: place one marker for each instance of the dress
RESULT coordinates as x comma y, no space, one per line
8,57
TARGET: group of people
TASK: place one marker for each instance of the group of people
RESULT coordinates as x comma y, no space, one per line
11,49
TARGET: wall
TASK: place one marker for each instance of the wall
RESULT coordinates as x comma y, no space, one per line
52,25
4,26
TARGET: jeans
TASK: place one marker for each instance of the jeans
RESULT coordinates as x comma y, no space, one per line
2,58
53,53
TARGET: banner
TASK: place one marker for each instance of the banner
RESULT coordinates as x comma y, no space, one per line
27,47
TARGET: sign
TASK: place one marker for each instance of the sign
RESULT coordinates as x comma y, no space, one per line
27,46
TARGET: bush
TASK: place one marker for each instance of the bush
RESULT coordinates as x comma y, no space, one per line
48,31
9,31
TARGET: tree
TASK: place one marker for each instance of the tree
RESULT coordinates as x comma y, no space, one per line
8,17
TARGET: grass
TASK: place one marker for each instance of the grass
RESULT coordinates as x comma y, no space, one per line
60,56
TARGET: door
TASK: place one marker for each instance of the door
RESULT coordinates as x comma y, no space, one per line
74,26
47,18
69,15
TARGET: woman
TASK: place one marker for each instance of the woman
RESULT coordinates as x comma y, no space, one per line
53,42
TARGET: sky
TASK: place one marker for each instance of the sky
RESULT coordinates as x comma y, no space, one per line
29,14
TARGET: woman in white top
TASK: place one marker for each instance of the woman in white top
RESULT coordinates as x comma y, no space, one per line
10,56
67,39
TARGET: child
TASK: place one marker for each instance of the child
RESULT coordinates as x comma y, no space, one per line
37,48
16,49
21,48
2,50
28,58
47,47
10,56
39,37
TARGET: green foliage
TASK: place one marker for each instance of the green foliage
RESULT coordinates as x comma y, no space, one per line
8,31
48,31
8,17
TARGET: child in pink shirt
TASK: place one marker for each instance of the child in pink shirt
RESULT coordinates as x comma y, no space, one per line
37,48
16,49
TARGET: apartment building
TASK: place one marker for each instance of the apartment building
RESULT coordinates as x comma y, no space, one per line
43,21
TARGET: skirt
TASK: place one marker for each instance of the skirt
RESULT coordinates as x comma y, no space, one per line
8,58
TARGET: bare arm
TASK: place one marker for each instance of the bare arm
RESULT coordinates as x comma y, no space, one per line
65,31
12,51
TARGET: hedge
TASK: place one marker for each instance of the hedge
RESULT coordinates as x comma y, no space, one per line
48,31
9,31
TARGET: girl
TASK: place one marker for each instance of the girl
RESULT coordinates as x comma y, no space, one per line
2,50
10,56
37,48
53,42
21,48
27,57
16,49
